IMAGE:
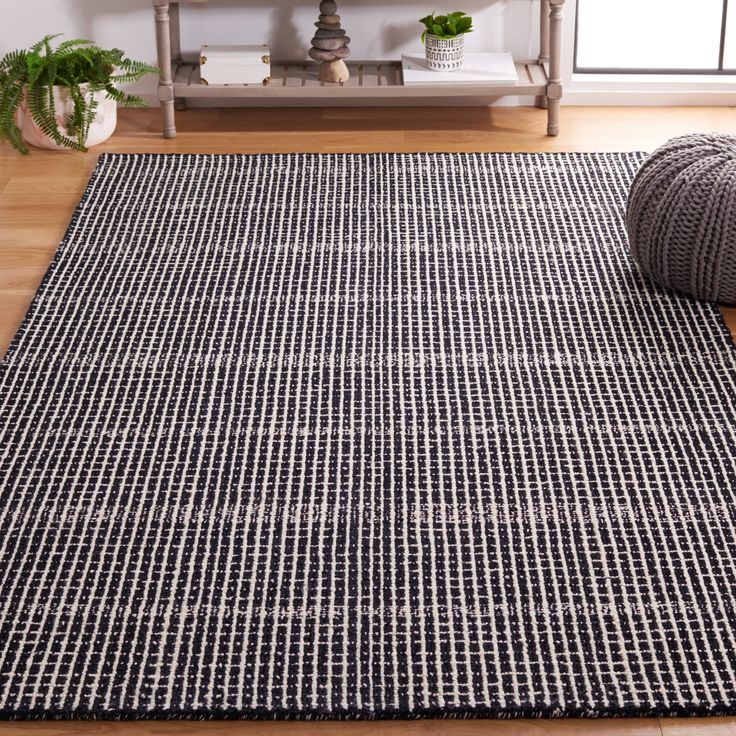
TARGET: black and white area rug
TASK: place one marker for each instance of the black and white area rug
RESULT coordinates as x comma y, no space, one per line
364,436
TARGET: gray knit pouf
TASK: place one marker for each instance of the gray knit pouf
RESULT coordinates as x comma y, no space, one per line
681,216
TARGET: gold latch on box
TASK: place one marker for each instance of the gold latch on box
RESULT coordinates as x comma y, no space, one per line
266,59
202,60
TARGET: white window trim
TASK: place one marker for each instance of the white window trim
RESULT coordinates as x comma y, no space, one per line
637,89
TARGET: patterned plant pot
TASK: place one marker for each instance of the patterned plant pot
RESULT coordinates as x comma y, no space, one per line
101,129
444,54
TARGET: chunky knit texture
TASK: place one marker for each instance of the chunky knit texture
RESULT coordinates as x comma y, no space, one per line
681,216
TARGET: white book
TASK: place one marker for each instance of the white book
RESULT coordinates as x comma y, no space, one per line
477,69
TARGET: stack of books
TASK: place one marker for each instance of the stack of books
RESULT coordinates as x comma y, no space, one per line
481,69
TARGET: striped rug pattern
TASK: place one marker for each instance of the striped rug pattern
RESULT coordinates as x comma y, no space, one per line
363,436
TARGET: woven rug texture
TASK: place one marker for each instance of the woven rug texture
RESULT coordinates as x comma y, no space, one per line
364,436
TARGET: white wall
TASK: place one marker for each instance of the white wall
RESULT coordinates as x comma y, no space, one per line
379,30
104,21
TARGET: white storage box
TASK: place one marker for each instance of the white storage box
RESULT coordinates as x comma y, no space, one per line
235,64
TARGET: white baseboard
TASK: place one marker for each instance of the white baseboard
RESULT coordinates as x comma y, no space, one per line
601,98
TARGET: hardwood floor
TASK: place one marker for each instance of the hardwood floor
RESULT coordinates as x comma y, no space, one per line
563,727
568,727
38,194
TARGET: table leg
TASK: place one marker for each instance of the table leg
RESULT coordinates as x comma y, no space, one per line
180,103
541,100
554,83
165,82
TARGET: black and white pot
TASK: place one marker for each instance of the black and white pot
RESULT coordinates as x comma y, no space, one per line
444,54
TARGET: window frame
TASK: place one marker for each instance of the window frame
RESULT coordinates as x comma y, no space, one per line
719,71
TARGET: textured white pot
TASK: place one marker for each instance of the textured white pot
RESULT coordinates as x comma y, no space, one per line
101,129
444,54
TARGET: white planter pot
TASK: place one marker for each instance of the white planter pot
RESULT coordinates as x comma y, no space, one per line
444,54
101,129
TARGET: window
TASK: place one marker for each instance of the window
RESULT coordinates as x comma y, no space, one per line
655,36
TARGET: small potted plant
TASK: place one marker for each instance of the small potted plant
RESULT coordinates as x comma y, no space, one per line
64,97
444,40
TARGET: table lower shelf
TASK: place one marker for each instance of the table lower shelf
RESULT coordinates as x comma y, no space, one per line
368,79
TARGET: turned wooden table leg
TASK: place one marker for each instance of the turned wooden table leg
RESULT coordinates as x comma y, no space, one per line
554,83
180,103
165,82
543,59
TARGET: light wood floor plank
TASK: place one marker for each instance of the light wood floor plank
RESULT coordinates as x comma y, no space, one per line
21,185
730,315
13,307
566,727
33,251
21,278
698,727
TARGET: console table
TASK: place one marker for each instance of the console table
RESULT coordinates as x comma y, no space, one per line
369,80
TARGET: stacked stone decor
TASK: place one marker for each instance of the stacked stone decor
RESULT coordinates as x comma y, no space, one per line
330,44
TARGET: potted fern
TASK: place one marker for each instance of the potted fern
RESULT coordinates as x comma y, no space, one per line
444,40
64,96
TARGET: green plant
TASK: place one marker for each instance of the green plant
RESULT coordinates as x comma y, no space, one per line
30,76
447,26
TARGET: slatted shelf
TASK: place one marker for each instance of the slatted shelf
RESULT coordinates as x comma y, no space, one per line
371,82
368,79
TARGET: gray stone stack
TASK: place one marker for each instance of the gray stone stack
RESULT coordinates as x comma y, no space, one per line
330,44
